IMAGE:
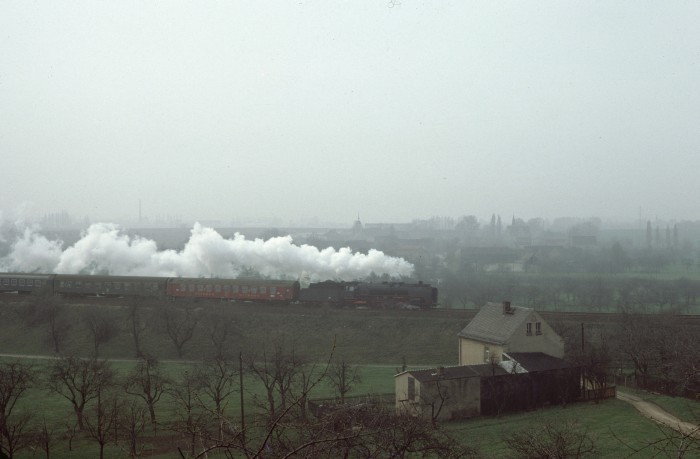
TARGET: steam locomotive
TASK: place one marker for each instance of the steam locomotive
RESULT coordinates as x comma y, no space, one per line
339,294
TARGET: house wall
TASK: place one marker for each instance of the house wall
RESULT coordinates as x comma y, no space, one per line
473,352
404,404
451,399
447,399
546,341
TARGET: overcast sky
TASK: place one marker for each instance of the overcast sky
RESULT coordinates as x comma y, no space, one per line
393,110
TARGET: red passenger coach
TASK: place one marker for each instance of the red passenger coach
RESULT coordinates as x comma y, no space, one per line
233,289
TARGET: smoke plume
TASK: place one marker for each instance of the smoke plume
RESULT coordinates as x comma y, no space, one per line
104,249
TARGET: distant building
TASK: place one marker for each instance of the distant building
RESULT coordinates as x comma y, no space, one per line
500,328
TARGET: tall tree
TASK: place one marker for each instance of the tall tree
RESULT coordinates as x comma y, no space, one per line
190,418
217,379
138,324
102,328
15,379
147,382
79,381
101,421
180,324
343,376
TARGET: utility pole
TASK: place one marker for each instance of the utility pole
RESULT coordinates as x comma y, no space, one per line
240,373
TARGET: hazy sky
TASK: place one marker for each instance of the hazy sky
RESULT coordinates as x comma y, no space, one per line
392,110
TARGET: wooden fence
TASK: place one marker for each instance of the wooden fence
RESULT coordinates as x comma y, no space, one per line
599,394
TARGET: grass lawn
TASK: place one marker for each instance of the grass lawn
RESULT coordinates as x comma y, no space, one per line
612,424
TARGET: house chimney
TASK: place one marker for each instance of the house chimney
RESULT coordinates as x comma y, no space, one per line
506,308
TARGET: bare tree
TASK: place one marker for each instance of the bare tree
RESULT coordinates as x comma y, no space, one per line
147,381
44,438
100,421
15,436
137,324
435,394
101,327
671,443
217,379
189,417
132,422
58,326
220,329
180,324
553,440
276,367
343,376
15,379
79,381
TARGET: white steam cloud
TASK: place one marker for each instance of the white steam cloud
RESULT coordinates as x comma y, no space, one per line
104,249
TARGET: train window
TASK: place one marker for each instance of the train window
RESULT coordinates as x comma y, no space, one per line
200,288
69,284
88,285
117,286
30,283
217,288
127,285
78,284
6,282
244,289
273,290
227,288
209,288
235,289
98,285
21,282
190,287
263,290
254,290
37,283
14,282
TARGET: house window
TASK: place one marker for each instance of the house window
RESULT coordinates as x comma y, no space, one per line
487,354
538,328
411,388
529,329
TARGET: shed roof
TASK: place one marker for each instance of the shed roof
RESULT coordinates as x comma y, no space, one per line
455,372
492,325
538,361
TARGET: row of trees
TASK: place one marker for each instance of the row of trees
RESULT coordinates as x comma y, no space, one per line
178,323
657,351
127,410
598,294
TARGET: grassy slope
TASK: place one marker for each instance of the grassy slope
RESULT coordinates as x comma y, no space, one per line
423,338
381,337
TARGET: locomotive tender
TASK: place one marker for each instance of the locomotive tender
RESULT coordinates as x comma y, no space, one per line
340,294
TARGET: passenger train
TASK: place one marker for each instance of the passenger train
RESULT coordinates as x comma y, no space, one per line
340,294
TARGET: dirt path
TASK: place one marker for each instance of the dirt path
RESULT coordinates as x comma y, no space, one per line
658,414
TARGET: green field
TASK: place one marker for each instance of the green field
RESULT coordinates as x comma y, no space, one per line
388,339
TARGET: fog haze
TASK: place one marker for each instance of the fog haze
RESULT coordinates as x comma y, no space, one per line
393,110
